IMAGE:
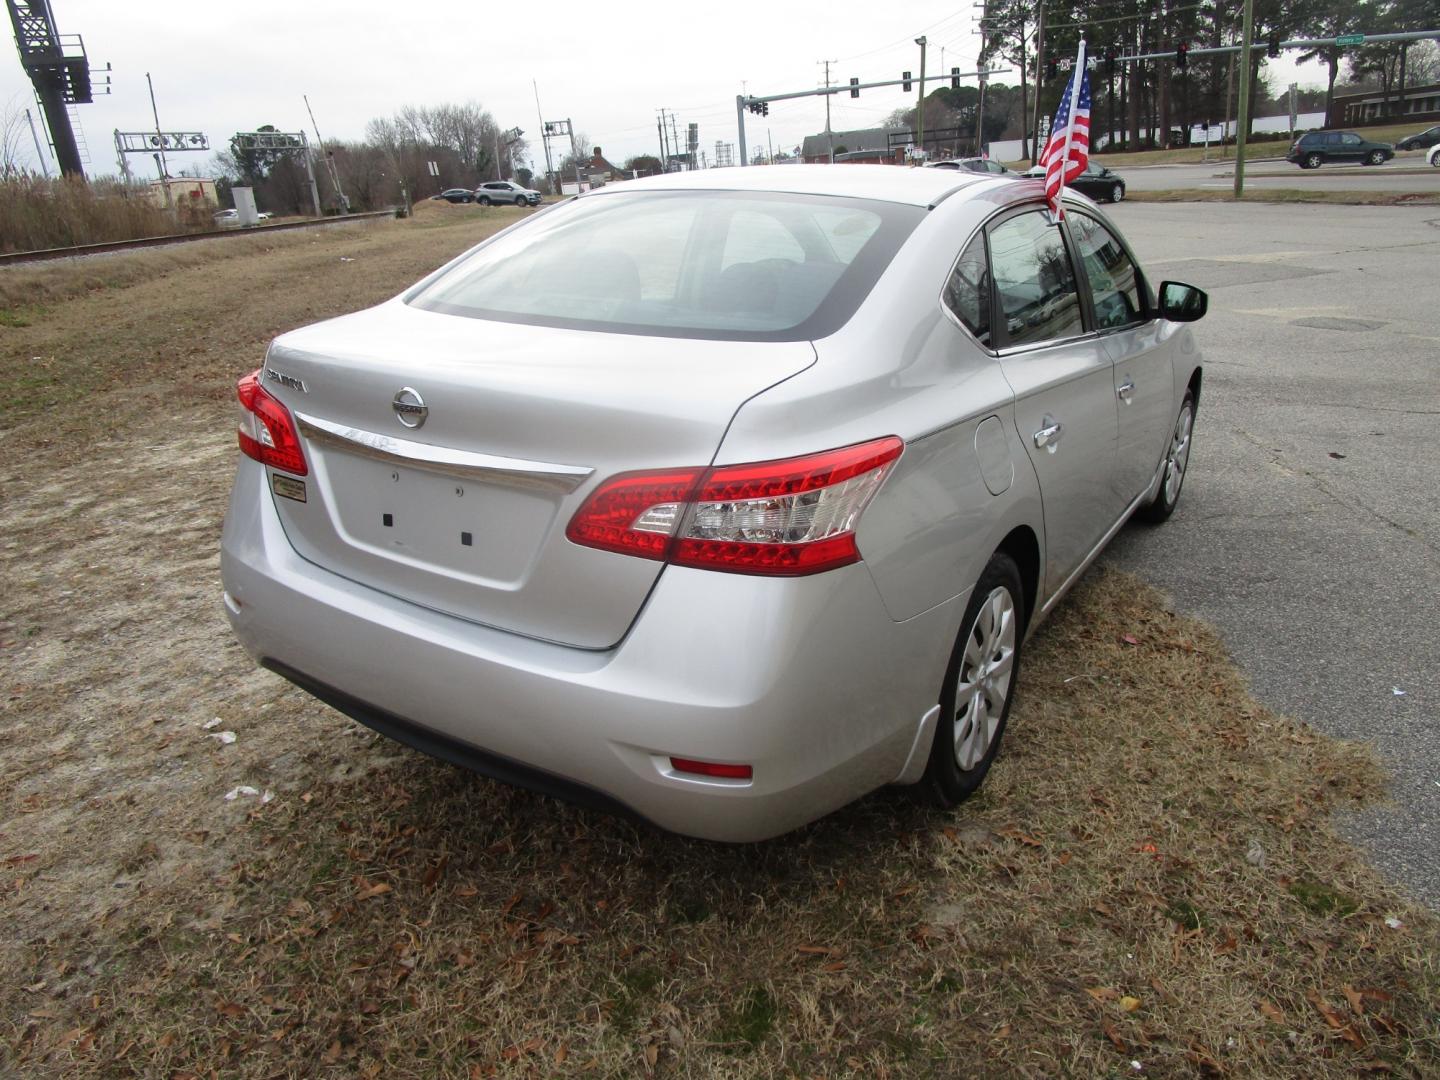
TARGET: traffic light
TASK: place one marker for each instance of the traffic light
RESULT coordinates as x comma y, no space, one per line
1182,55
854,87
1273,49
764,108
906,84
1110,57
1052,69
954,78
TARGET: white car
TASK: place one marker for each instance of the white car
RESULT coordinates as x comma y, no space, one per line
716,498
506,191
1434,157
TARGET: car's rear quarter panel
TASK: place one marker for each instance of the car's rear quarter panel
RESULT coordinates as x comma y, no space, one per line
901,366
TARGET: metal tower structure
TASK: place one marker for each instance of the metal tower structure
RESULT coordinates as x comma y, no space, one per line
60,71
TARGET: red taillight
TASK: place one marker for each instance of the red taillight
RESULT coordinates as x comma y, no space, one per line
712,768
267,431
790,517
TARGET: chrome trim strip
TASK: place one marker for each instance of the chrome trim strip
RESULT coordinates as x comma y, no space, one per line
464,464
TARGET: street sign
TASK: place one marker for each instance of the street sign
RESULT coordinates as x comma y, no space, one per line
1350,39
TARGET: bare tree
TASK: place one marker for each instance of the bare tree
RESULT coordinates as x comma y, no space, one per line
14,134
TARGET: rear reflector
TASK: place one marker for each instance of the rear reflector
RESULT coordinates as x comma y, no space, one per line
790,517
712,768
267,431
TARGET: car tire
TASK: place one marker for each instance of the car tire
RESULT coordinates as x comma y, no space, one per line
974,699
1376,157
1174,467
1435,158
484,200
1117,192
1313,161
519,200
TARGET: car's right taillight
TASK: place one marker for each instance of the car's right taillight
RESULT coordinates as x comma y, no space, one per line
786,518
267,431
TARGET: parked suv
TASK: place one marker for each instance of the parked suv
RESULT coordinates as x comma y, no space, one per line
1316,148
506,191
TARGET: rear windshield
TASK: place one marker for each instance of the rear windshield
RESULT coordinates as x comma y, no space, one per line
710,264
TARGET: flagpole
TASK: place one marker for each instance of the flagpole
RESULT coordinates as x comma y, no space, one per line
1070,127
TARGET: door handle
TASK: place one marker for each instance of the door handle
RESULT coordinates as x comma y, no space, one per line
1049,436
1126,390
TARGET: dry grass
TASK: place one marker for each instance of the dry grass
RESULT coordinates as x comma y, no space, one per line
1290,195
1149,876
38,213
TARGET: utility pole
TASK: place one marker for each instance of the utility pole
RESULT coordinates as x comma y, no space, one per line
160,164
1039,70
40,157
329,162
1246,32
740,124
771,143
1229,102
660,134
920,101
980,109
315,188
545,138
574,153
160,138
829,135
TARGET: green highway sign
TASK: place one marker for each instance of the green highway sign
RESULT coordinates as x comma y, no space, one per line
1350,39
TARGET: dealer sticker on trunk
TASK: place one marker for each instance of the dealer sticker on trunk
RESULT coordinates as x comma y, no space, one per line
287,487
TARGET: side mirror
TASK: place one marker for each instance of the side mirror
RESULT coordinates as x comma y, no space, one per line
1182,303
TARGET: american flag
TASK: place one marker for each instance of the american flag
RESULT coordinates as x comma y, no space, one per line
1068,151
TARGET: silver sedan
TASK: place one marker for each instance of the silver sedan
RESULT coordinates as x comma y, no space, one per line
719,499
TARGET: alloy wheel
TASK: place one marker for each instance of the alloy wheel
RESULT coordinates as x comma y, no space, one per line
1179,454
987,671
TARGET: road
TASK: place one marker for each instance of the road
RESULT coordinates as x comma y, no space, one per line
1309,526
1407,172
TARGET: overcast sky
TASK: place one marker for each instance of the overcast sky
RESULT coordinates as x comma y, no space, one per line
610,65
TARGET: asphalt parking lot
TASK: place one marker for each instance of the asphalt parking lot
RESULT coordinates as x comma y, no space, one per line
1309,523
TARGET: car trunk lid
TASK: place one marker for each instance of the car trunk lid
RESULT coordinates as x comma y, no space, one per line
465,512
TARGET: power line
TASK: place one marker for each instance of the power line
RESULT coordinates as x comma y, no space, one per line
906,40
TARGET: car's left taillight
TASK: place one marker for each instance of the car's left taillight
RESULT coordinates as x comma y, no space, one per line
267,430
782,518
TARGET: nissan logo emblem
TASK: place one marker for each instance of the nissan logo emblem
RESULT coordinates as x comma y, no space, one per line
410,408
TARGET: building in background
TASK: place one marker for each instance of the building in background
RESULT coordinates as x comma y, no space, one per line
816,148
1372,107
185,191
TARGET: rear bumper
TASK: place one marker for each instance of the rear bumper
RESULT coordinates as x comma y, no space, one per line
806,679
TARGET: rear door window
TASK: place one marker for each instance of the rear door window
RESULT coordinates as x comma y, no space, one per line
1035,287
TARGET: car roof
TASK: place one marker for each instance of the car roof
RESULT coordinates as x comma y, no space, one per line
889,183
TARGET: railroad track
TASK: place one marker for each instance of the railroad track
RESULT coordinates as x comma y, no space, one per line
15,257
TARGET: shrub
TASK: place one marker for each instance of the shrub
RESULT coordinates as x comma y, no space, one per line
36,213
